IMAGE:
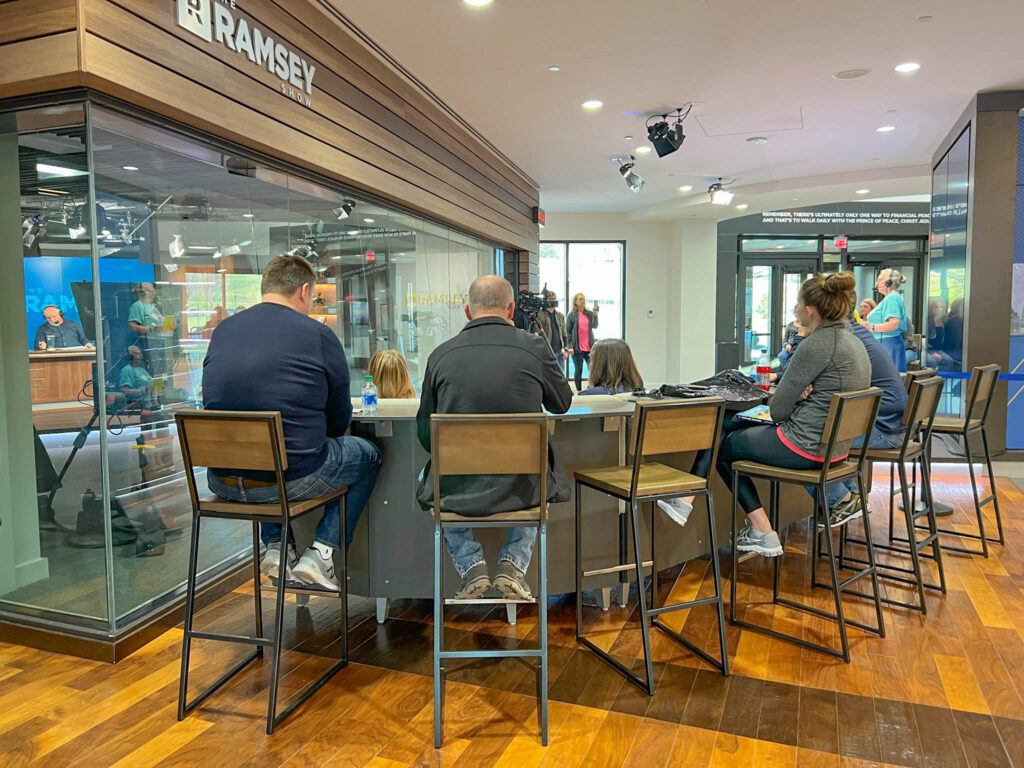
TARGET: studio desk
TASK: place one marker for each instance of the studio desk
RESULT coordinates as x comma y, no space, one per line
392,550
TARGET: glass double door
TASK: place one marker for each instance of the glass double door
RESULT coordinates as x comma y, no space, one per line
768,293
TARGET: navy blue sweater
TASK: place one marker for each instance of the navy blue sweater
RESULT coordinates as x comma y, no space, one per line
272,358
884,376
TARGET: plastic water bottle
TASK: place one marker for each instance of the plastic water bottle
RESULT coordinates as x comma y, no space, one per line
369,396
764,371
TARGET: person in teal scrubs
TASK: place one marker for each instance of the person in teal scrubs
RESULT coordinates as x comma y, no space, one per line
889,319
136,382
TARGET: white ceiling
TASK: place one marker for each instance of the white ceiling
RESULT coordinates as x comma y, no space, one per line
750,68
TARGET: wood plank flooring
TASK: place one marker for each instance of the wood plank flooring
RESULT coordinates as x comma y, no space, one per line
946,689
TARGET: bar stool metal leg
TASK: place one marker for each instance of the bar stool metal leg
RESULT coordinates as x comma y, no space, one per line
542,627
992,484
579,566
278,628
641,591
977,499
716,566
438,635
257,591
190,595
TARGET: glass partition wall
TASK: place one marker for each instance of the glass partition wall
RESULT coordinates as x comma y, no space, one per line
146,239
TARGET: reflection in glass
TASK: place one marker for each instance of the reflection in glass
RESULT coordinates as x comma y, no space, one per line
178,234
948,267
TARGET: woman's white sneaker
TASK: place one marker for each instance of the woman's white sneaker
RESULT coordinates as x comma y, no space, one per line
678,510
752,540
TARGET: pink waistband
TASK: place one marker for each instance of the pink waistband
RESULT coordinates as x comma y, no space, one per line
801,452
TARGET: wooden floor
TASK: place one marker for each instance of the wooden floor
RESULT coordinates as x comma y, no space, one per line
943,690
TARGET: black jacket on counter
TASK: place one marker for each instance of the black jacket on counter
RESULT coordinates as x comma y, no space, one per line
492,367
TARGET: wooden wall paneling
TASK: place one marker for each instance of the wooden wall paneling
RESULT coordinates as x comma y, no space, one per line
367,95
315,16
41,64
27,19
108,20
126,75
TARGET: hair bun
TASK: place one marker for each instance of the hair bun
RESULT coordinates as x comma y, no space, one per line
839,282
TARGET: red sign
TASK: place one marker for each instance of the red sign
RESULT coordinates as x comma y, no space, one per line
538,216
370,256
841,242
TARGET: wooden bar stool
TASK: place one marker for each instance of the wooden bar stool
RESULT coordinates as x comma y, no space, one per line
494,444
941,509
979,399
659,428
851,415
918,417
243,441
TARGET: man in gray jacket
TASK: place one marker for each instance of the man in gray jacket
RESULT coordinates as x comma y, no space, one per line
491,367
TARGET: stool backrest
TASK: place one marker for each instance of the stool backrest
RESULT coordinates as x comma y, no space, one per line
489,444
921,373
919,415
675,426
850,415
979,392
231,440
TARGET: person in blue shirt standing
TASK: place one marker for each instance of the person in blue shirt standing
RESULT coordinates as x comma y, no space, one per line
274,357
889,319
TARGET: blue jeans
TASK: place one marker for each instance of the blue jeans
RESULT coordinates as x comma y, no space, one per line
351,461
466,551
879,439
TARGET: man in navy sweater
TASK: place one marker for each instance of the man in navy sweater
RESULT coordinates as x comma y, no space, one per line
274,357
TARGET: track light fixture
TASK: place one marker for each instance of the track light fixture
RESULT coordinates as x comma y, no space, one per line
633,180
719,195
345,210
664,138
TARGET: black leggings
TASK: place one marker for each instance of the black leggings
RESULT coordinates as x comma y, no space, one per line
577,364
754,442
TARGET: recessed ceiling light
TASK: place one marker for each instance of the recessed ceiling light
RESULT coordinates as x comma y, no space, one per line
757,140
925,18
686,188
368,221
863,191
876,241
477,3
592,104
907,66
642,150
779,247
851,74
742,207
129,168
885,128
628,138
248,215
554,68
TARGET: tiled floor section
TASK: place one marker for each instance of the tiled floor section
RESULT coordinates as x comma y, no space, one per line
940,690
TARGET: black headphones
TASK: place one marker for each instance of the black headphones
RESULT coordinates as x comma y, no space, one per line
896,278
59,312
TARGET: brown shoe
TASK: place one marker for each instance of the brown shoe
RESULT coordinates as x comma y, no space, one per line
511,582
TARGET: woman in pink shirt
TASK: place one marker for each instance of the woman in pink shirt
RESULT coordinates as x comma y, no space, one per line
579,331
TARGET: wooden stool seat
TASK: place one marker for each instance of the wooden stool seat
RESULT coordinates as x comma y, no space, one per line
659,429
838,471
243,442
654,479
213,505
851,416
953,425
913,450
531,515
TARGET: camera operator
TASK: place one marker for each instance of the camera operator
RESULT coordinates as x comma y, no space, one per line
552,326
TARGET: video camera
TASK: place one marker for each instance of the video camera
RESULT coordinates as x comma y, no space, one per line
535,302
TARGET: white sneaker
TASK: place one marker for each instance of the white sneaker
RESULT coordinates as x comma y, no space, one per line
677,509
271,562
316,569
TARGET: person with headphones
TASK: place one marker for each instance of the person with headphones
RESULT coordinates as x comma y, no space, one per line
889,319
58,332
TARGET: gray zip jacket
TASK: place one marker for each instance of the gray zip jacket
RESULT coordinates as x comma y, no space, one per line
831,359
